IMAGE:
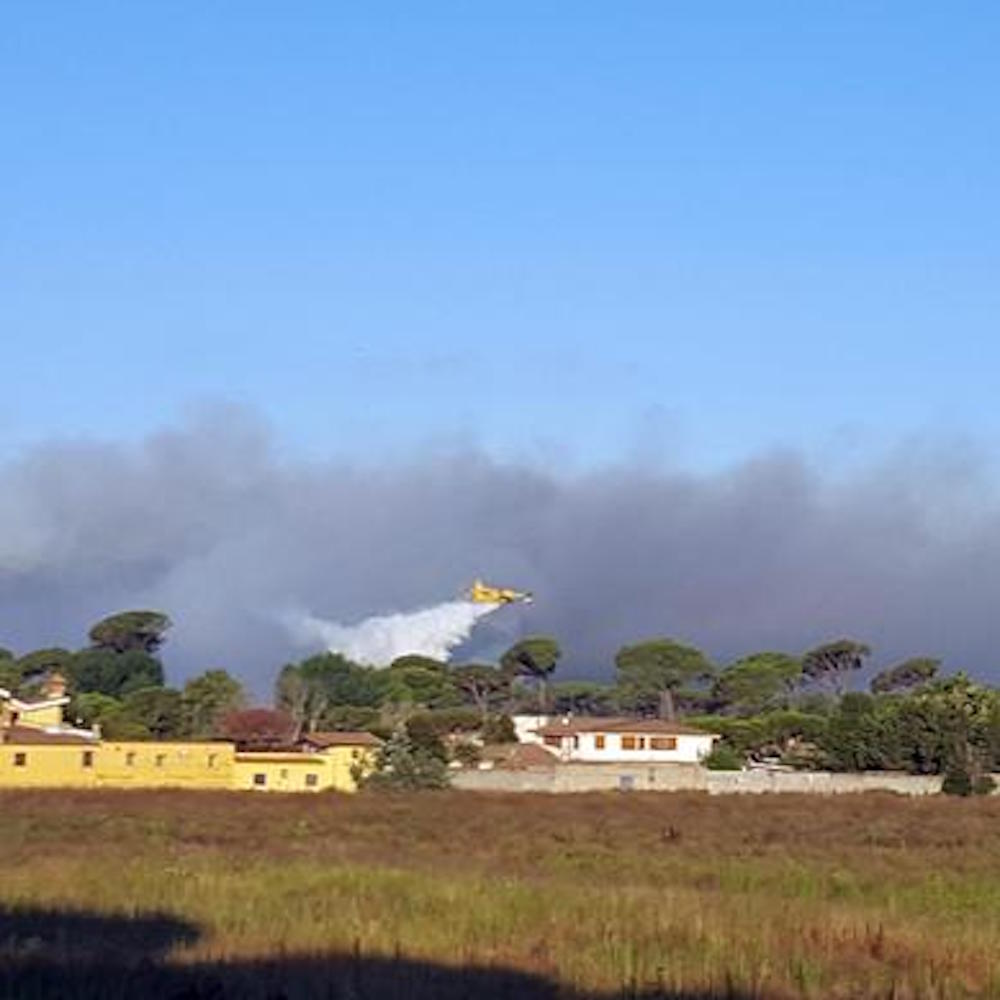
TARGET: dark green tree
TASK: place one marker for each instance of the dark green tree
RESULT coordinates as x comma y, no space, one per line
109,714
420,681
583,698
830,664
157,709
424,733
310,690
207,699
905,676
483,685
499,729
651,673
862,735
401,764
116,674
10,672
39,664
757,683
129,631
534,658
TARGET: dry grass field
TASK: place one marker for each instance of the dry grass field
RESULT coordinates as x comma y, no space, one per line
444,895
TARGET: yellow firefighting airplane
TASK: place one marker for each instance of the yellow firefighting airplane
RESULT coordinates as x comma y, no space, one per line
483,593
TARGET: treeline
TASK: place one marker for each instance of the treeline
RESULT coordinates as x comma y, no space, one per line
786,708
117,683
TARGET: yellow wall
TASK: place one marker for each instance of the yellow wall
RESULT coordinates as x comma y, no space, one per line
283,772
47,766
165,765
176,765
344,759
287,772
41,715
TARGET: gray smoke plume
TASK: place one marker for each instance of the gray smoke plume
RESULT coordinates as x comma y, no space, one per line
208,523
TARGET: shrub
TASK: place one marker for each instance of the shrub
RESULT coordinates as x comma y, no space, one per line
499,729
448,720
425,736
723,758
957,781
401,764
467,754
985,784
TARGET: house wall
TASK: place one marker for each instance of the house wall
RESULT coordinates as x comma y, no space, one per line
117,765
285,772
344,760
689,749
138,764
41,715
47,766
176,765
282,772
150,764
525,726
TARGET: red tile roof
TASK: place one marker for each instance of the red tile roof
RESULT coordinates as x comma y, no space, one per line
519,756
340,739
31,735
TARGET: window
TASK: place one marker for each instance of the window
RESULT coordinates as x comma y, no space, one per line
88,758
576,742
20,760
599,741
642,742
260,780
552,741
160,759
130,759
312,780
663,743
628,743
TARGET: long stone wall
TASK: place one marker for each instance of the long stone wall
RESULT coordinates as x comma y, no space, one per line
681,777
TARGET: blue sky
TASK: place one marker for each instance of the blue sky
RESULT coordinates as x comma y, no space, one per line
567,230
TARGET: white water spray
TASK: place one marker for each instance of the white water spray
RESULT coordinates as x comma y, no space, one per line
379,640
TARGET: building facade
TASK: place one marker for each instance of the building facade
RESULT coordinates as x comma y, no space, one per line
623,740
39,750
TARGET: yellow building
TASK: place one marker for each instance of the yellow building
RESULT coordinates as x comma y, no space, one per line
46,714
142,764
325,760
38,750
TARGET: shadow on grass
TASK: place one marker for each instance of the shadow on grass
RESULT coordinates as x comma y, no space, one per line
50,955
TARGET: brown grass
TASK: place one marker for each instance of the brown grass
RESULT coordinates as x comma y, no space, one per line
606,894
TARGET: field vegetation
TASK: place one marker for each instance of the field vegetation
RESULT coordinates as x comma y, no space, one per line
443,894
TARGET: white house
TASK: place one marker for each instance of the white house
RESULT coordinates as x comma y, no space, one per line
621,740
526,727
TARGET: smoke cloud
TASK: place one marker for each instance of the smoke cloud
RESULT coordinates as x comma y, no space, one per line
209,523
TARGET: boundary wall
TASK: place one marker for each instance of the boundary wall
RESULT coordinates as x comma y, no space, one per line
682,778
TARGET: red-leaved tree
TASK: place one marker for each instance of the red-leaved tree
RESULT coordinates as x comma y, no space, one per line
258,728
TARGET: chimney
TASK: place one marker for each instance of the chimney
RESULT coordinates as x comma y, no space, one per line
55,686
